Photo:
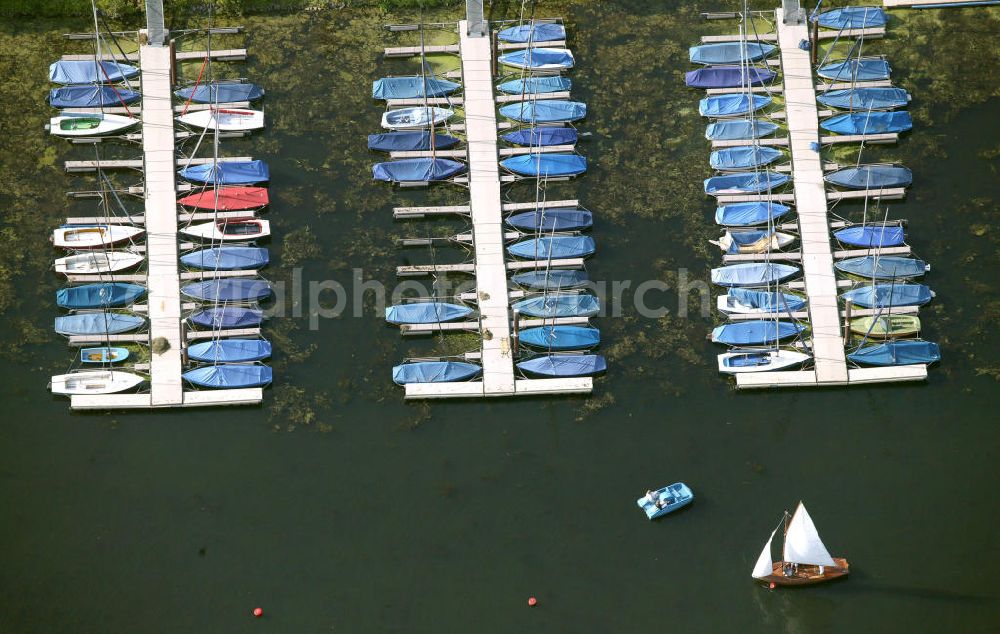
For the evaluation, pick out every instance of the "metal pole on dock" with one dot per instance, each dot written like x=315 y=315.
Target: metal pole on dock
x=848 y=306
x=515 y=336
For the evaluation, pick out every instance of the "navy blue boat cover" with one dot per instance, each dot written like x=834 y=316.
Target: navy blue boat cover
x=871 y=177
x=901 y=352
x=536 y=85
x=544 y=135
x=727 y=77
x=548 y=111
x=410 y=141
x=564 y=365
x=227 y=258
x=228 y=173
x=418 y=170
x=229 y=376
x=852 y=18
x=561 y=337
x=551 y=280
x=230 y=289
x=744 y=183
x=97 y=323
x=227 y=317
x=868 y=122
x=739 y=129
x=559 y=306
x=729 y=52
x=411 y=87
x=221 y=92
x=86 y=72
x=91 y=96
x=749 y=214
x=533 y=32
x=556 y=164
x=556 y=247
x=434 y=372
x=554 y=219
x=230 y=350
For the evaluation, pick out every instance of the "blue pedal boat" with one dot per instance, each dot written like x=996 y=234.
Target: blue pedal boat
x=666 y=500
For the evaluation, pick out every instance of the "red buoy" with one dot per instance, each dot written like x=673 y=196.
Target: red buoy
x=771 y=585
x=258 y=612
x=532 y=601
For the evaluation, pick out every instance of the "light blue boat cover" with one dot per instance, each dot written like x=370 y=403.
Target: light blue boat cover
x=230 y=350
x=227 y=258
x=536 y=85
x=555 y=164
x=868 y=122
x=554 y=219
x=756 y=332
x=533 y=32
x=743 y=157
x=552 y=279
x=425 y=313
x=749 y=214
x=871 y=236
x=103 y=323
x=554 y=247
x=900 y=352
x=729 y=52
x=86 y=72
x=547 y=111
x=752 y=274
x=434 y=372
x=411 y=87
x=561 y=337
x=221 y=92
x=886 y=267
x=559 y=306
x=727 y=77
x=228 y=173
x=885 y=295
x=852 y=18
x=771 y=301
x=229 y=289
x=417 y=170
x=749 y=183
x=99 y=295
x=871 y=177
x=229 y=376
x=865 y=69
x=564 y=365
x=227 y=317
x=731 y=105
x=545 y=135
x=91 y=96
x=536 y=57
x=409 y=141
x=738 y=130
x=865 y=98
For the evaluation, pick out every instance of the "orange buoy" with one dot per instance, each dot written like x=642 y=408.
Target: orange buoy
x=532 y=601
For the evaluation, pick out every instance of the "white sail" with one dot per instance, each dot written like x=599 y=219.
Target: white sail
x=764 y=566
x=802 y=542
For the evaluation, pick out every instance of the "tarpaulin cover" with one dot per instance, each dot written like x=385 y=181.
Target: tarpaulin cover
x=556 y=164
x=748 y=237
x=434 y=372
x=902 y=352
x=852 y=18
x=411 y=87
x=884 y=295
x=538 y=57
x=556 y=247
x=221 y=92
x=731 y=105
x=749 y=214
x=559 y=306
x=865 y=69
x=561 y=337
x=744 y=183
x=416 y=170
x=770 y=301
x=228 y=198
x=743 y=157
x=757 y=332
x=230 y=350
x=871 y=177
x=227 y=258
x=729 y=52
x=229 y=376
x=536 y=85
x=868 y=122
x=548 y=111
x=425 y=313
x=86 y=72
x=533 y=32
x=543 y=280
x=227 y=317
x=871 y=235
x=554 y=219
x=564 y=365
x=727 y=77
x=99 y=295
x=545 y=135
x=884 y=267
x=230 y=289
x=738 y=130
x=228 y=173
x=91 y=96
x=97 y=323
x=865 y=98
x=752 y=274
x=412 y=141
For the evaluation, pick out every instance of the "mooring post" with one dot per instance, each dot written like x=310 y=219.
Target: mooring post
x=516 y=333
x=814 y=45
x=848 y=304
x=173 y=62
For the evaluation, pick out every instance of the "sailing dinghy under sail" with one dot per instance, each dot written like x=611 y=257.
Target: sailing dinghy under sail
x=804 y=558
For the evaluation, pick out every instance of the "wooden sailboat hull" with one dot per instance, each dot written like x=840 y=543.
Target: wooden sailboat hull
x=806 y=575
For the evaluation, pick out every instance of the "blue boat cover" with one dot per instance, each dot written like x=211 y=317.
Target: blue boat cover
x=729 y=52
x=752 y=274
x=551 y=279
x=561 y=337
x=727 y=77
x=771 y=301
x=99 y=295
x=230 y=289
x=227 y=317
x=749 y=214
x=537 y=57
x=865 y=69
x=865 y=98
x=745 y=237
x=91 y=96
x=221 y=92
x=886 y=267
x=417 y=170
x=103 y=323
x=536 y=85
x=756 y=332
x=738 y=130
x=228 y=173
x=871 y=177
x=868 y=122
x=731 y=105
x=886 y=295
x=852 y=18
x=564 y=365
x=229 y=376
x=409 y=141
x=743 y=157
x=411 y=87
x=559 y=306
x=554 y=247
x=425 y=313
x=533 y=32
x=230 y=350
x=227 y=258
x=554 y=219
x=750 y=183
x=556 y=164
x=901 y=352
x=548 y=111
x=434 y=372
x=871 y=236
x=86 y=72
x=545 y=135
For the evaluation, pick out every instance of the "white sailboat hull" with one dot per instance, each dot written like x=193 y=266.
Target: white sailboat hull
x=95 y=382
x=232 y=231
x=63 y=125
x=746 y=361
x=92 y=237
x=731 y=306
x=777 y=241
x=415 y=118
x=225 y=119
x=98 y=262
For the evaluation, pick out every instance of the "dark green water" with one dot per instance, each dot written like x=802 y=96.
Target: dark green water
x=338 y=507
